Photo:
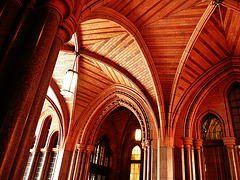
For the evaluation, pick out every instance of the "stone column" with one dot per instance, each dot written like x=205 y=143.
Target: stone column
x=86 y=166
x=45 y=164
x=9 y=19
x=188 y=143
x=198 y=146
x=35 y=154
x=78 y=164
x=73 y=162
x=230 y=144
x=27 y=77
x=25 y=144
x=144 y=161
x=148 y=146
x=83 y=164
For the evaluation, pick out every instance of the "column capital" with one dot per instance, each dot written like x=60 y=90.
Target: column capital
x=148 y=143
x=198 y=143
x=188 y=142
x=229 y=142
x=48 y=149
x=90 y=148
x=33 y=150
x=143 y=145
x=67 y=28
x=64 y=7
x=80 y=146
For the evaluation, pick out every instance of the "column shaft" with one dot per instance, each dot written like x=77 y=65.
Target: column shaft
x=9 y=14
x=84 y=165
x=45 y=164
x=148 y=146
x=85 y=175
x=73 y=164
x=28 y=75
x=188 y=142
x=25 y=144
x=78 y=164
x=198 y=143
x=144 y=163
x=230 y=144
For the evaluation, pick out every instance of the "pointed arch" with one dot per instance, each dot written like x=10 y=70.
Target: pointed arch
x=199 y=90
x=110 y=14
x=114 y=97
x=202 y=118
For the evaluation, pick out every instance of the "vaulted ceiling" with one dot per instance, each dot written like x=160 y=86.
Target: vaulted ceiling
x=160 y=48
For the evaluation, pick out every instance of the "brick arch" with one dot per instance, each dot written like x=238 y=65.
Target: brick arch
x=201 y=24
x=114 y=97
x=199 y=122
x=41 y=136
x=52 y=136
x=112 y=15
x=200 y=89
x=194 y=107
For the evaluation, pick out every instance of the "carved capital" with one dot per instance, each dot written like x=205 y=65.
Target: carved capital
x=148 y=143
x=90 y=148
x=80 y=147
x=143 y=145
x=48 y=149
x=198 y=143
x=188 y=142
x=229 y=142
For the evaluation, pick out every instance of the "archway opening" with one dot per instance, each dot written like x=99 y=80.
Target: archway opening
x=117 y=133
x=215 y=155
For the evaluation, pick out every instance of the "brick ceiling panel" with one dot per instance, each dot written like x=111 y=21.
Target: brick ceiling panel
x=115 y=75
x=167 y=38
x=97 y=30
x=92 y=81
x=123 y=51
x=167 y=28
x=215 y=43
x=65 y=61
x=232 y=31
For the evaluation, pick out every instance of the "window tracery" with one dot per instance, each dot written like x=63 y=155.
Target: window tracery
x=100 y=160
x=135 y=164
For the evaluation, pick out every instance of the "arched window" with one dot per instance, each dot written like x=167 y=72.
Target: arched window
x=53 y=151
x=211 y=128
x=43 y=154
x=100 y=160
x=215 y=156
x=135 y=163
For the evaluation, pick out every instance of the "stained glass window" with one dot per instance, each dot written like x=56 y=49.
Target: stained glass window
x=135 y=165
x=100 y=160
x=135 y=171
x=136 y=153
x=138 y=135
x=211 y=128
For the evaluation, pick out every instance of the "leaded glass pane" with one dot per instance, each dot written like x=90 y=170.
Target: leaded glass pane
x=97 y=154
x=135 y=171
x=101 y=155
x=136 y=153
x=211 y=128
